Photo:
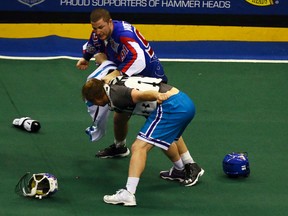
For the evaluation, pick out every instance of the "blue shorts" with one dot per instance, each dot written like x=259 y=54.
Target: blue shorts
x=168 y=121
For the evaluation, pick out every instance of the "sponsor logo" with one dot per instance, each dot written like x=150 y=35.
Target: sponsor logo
x=31 y=3
x=262 y=2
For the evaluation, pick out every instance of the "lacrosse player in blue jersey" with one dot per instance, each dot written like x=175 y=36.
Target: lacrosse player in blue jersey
x=127 y=48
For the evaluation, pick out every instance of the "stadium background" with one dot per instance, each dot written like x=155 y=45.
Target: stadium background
x=241 y=30
x=232 y=64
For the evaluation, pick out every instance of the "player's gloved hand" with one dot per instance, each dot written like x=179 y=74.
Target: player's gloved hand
x=94 y=133
x=26 y=123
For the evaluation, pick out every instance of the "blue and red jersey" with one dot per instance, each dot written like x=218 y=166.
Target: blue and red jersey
x=128 y=49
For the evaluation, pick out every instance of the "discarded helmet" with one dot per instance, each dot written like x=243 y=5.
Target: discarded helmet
x=236 y=164
x=38 y=185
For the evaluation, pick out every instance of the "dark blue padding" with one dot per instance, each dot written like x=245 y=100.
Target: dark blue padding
x=55 y=46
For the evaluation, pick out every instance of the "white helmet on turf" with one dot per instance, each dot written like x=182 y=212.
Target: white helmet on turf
x=38 y=185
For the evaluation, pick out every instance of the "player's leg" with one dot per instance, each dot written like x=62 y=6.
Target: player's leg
x=137 y=165
x=176 y=173
x=183 y=114
x=118 y=148
x=185 y=166
x=192 y=170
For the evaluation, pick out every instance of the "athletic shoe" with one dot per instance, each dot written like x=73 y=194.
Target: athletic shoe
x=173 y=175
x=113 y=151
x=192 y=172
x=122 y=196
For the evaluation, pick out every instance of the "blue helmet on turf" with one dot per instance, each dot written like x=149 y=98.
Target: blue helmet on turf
x=236 y=164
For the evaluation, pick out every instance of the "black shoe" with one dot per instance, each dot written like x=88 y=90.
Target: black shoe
x=113 y=151
x=192 y=172
x=173 y=175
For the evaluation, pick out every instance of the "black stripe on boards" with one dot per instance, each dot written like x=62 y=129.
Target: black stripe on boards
x=145 y=18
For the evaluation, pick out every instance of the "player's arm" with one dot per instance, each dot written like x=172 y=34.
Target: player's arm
x=111 y=76
x=150 y=95
x=82 y=64
x=89 y=49
x=100 y=58
x=134 y=61
x=132 y=53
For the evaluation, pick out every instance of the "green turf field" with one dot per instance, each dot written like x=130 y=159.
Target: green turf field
x=240 y=107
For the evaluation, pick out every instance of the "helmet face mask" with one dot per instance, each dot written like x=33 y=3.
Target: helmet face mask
x=236 y=164
x=37 y=185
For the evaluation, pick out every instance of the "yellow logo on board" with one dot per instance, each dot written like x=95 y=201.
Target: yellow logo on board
x=261 y=2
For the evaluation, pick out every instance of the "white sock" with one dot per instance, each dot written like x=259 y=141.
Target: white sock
x=179 y=164
x=132 y=183
x=186 y=158
x=119 y=143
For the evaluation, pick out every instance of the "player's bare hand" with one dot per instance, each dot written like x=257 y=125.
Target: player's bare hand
x=111 y=76
x=82 y=64
x=162 y=97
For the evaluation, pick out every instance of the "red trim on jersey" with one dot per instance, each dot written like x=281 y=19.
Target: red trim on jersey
x=124 y=52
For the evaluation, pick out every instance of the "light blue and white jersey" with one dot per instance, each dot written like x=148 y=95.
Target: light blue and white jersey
x=99 y=114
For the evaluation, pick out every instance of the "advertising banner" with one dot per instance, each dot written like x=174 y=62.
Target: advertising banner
x=235 y=7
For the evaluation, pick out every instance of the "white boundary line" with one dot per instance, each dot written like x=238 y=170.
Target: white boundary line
x=225 y=60
x=164 y=60
x=38 y=58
